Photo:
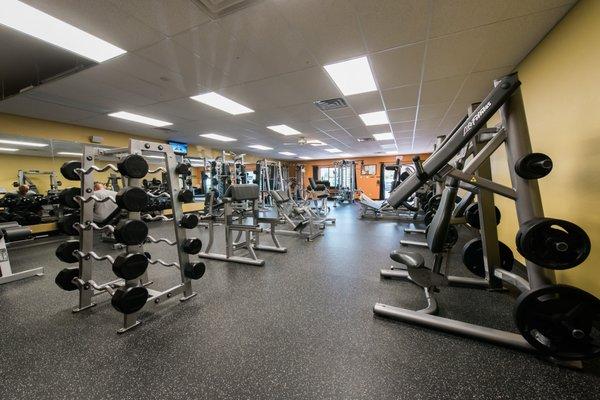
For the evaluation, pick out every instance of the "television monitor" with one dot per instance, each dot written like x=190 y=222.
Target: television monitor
x=179 y=148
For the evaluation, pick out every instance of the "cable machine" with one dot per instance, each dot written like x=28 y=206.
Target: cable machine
x=344 y=181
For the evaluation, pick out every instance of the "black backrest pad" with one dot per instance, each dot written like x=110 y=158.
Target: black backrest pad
x=312 y=183
x=436 y=234
x=280 y=196
x=246 y=191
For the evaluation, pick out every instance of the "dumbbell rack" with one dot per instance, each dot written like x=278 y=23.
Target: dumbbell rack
x=86 y=236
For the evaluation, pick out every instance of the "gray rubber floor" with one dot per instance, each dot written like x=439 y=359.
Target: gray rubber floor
x=300 y=327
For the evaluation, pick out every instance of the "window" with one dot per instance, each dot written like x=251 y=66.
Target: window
x=327 y=174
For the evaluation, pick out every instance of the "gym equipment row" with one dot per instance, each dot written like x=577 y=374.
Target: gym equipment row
x=556 y=320
x=344 y=182
x=129 y=292
x=300 y=219
x=269 y=176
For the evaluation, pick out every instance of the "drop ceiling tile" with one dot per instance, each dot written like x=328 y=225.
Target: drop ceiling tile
x=309 y=85
x=398 y=67
x=455 y=54
x=261 y=94
x=402 y=114
x=450 y=16
x=330 y=29
x=169 y=17
x=340 y=112
x=365 y=102
x=479 y=84
x=402 y=97
x=431 y=124
x=429 y=111
x=189 y=74
x=406 y=126
x=102 y=19
x=300 y=113
x=395 y=23
x=190 y=110
x=441 y=90
x=29 y=106
x=350 y=122
x=523 y=7
x=513 y=39
x=324 y=125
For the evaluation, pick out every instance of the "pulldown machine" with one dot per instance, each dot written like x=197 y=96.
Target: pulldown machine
x=560 y=321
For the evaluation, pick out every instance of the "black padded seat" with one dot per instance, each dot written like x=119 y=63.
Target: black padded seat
x=280 y=196
x=267 y=217
x=410 y=259
x=241 y=192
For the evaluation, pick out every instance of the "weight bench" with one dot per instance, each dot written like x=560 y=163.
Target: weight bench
x=10 y=232
x=298 y=218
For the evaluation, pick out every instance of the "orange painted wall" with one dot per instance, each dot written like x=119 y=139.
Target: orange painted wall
x=369 y=184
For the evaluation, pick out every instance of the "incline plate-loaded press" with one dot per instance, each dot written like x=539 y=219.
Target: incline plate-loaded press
x=130 y=291
x=560 y=321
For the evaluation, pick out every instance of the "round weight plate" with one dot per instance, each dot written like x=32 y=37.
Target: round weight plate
x=133 y=166
x=131 y=232
x=68 y=170
x=64 y=279
x=533 y=166
x=553 y=243
x=194 y=270
x=428 y=217
x=433 y=203
x=451 y=236
x=185 y=196
x=182 y=169
x=67 y=197
x=132 y=198
x=472 y=257
x=65 y=251
x=66 y=222
x=192 y=246
x=130 y=266
x=129 y=299
x=189 y=221
x=560 y=320
x=472 y=215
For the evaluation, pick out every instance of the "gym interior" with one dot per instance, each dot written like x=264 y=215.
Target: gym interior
x=350 y=199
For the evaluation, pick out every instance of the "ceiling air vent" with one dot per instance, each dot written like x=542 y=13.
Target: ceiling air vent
x=331 y=104
x=219 y=8
x=366 y=139
x=167 y=130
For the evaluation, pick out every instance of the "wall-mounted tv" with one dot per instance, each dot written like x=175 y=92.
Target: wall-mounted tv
x=179 y=148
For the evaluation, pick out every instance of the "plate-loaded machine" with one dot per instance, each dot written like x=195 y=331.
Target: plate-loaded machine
x=560 y=321
x=300 y=219
x=129 y=292
x=345 y=182
x=237 y=202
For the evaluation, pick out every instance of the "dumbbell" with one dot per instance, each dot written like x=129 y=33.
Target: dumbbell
x=185 y=196
x=126 y=300
x=131 y=232
x=132 y=198
x=189 y=221
x=472 y=215
x=66 y=222
x=133 y=166
x=183 y=169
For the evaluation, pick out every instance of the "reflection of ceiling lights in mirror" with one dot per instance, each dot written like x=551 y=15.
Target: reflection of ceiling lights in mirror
x=305 y=158
x=139 y=118
x=8 y=149
x=21 y=143
x=38 y=24
x=69 y=153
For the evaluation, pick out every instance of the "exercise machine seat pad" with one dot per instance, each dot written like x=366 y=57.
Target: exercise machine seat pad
x=244 y=191
x=410 y=259
x=369 y=202
x=438 y=229
x=267 y=217
x=280 y=196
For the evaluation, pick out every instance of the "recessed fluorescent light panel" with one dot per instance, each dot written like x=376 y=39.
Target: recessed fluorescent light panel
x=391 y=152
x=260 y=147
x=139 y=118
x=375 y=118
x=383 y=136
x=216 y=136
x=287 y=153
x=33 y=22
x=21 y=143
x=333 y=150
x=8 y=149
x=352 y=76
x=315 y=143
x=284 y=130
x=305 y=158
x=222 y=103
x=69 y=153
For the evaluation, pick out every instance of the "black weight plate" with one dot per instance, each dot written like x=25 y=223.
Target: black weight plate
x=560 y=320
x=533 y=166
x=132 y=198
x=182 y=169
x=194 y=270
x=130 y=266
x=131 y=232
x=553 y=243
x=428 y=217
x=189 y=221
x=66 y=222
x=68 y=170
x=433 y=203
x=65 y=251
x=67 y=197
x=64 y=279
x=185 y=196
x=133 y=166
x=451 y=236
x=472 y=257
x=129 y=299
x=192 y=246
x=472 y=215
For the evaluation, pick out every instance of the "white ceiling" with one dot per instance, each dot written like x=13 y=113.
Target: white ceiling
x=430 y=58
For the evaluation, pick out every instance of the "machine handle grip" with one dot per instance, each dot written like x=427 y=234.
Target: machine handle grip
x=419 y=168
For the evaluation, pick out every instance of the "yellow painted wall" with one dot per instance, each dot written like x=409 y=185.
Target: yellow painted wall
x=561 y=85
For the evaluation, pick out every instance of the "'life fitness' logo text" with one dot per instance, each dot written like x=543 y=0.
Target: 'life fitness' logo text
x=476 y=118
